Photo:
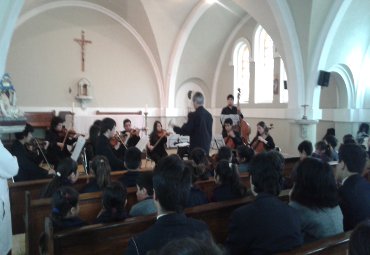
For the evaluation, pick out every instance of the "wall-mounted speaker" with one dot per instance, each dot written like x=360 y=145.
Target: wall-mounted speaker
x=285 y=84
x=323 y=79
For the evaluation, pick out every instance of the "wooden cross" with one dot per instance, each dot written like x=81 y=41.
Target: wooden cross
x=82 y=42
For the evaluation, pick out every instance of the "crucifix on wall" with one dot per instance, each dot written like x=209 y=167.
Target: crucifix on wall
x=82 y=42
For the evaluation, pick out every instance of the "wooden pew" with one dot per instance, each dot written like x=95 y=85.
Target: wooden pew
x=90 y=205
x=113 y=238
x=334 y=245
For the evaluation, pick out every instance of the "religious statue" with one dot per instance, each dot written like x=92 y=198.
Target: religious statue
x=8 y=98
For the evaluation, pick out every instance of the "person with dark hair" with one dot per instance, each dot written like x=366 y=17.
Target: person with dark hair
x=329 y=131
x=64 y=212
x=191 y=246
x=232 y=138
x=305 y=149
x=229 y=185
x=114 y=201
x=171 y=183
x=101 y=169
x=262 y=141
x=225 y=153
x=268 y=225
x=103 y=146
x=28 y=164
x=144 y=195
x=315 y=197
x=322 y=151
x=156 y=148
x=354 y=192
x=91 y=143
x=196 y=196
x=131 y=135
x=198 y=126
x=359 y=240
x=229 y=109
x=66 y=174
x=332 y=142
x=244 y=155
x=362 y=133
x=58 y=141
x=132 y=164
x=348 y=138
x=200 y=159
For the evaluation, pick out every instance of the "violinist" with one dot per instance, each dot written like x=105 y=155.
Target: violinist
x=58 y=138
x=232 y=138
x=156 y=148
x=131 y=136
x=262 y=141
x=28 y=164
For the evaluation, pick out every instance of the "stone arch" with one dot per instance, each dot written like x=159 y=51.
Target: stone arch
x=194 y=85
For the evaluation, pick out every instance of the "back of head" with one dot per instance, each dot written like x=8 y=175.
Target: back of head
x=305 y=146
x=171 y=183
x=266 y=176
x=331 y=140
x=224 y=153
x=245 y=152
x=107 y=124
x=315 y=185
x=354 y=156
x=198 y=172
x=114 y=198
x=145 y=180
x=101 y=168
x=132 y=158
x=198 y=98
x=94 y=133
x=191 y=246
x=348 y=138
x=27 y=129
x=277 y=159
x=364 y=127
x=62 y=201
x=359 y=240
x=228 y=174
x=199 y=156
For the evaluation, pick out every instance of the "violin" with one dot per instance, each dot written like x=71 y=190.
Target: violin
x=68 y=133
x=117 y=138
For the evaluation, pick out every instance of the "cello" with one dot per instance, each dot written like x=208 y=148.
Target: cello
x=244 y=127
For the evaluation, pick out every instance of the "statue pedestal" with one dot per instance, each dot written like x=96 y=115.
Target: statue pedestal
x=9 y=125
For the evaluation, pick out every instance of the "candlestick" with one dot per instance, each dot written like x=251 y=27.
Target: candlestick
x=304 y=117
x=146 y=108
x=73 y=107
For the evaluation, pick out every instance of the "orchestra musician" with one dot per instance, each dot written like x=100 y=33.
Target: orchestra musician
x=232 y=138
x=156 y=148
x=230 y=108
x=28 y=162
x=262 y=141
x=58 y=138
x=245 y=129
x=131 y=136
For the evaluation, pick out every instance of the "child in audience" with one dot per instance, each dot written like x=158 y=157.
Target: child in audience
x=315 y=197
x=65 y=209
x=244 y=155
x=228 y=182
x=305 y=149
x=196 y=196
x=101 y=170
x=114 y=201
x=144 y=195
x=359 y=240
x=66 y=174
x=199 y=156
x=322 y=151
x=132 y=163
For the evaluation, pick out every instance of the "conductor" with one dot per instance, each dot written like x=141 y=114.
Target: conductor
x=198 y=126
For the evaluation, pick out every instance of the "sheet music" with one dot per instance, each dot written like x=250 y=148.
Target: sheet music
x=234 y=117
x=141 y=145
x=217 y=142
x=78 y=148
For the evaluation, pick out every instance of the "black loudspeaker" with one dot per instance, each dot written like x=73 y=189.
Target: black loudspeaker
x=324 y=78
x=285 y=84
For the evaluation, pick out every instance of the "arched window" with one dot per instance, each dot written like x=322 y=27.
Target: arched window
x=264 y=60
x=241 y=58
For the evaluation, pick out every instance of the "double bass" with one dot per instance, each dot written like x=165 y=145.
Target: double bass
x=244 y=127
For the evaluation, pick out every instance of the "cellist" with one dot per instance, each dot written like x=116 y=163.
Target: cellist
x=262 y=141
x=232 y=138
x=156 y=148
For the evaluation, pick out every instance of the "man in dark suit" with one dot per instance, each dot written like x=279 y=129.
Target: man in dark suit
x=199 y=125
x=171 y=184
x=354 y=194
x=267 y=225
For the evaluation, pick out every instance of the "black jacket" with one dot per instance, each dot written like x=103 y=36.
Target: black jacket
x=104 y=148
x=199 y=128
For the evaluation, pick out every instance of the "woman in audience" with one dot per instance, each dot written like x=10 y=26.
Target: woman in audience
x=305 y=149
x=196 y=196
x=65 y=209
x=114 y=201
x=359 y=240
x=244 y=155
x=199 y=156
x=322 y=151
x=362 y=133
x=228 y=182
x=101 y=170
x=315 y=196
x=262 y=141
x=144 y=195
x=66 y=174
x=332 y=142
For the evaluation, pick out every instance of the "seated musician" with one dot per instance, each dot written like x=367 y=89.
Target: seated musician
x=133 y=135
x=90 y=144
x=103 y=146
x=28 y=162
x=156 y=149
x=232 y=138
x=58 y=141
x=229 y=109
x=262 y=141
x=245 y=129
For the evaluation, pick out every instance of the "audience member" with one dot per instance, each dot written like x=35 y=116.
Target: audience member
x=229 y=185
x=332 y=142
x=322 y=151
x=102 y=179
x=359 y=240
x=200 y=158
x=305 y=149
x=315 y=197
x=132 y=163
x=114 y=201
x=354 y=193
x=268 y=225
x=225 y=153
x=90 y=145
x=362 y=133
x=190 y=246
x=348 y=138
x=244 y=155
x=171 y=182
x=196 y=196
x=144 y=195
